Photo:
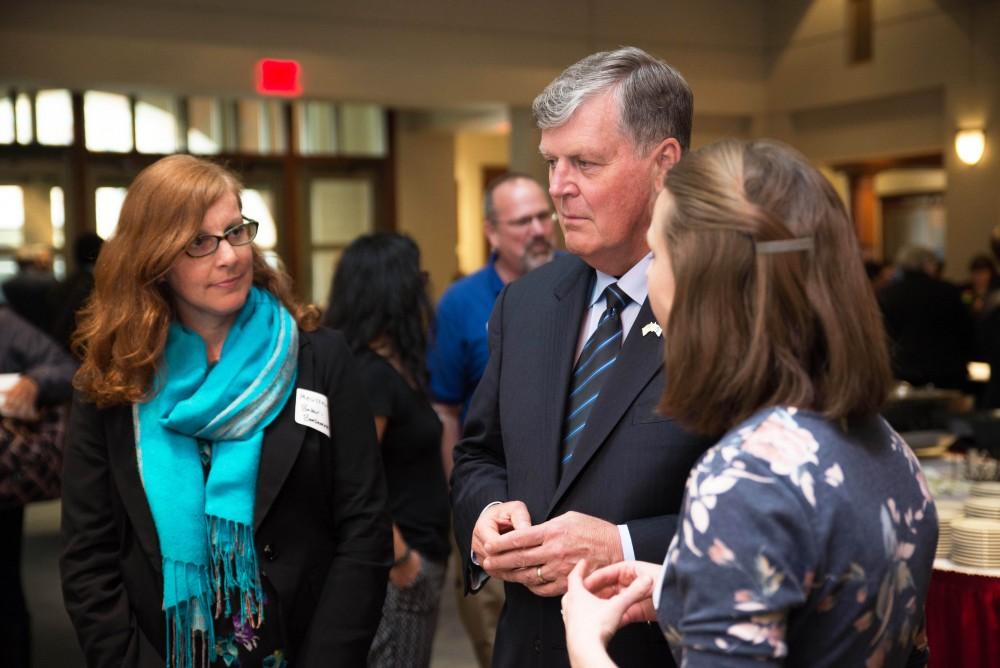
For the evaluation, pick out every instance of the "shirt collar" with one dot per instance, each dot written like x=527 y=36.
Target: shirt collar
x=496 y=283
x=632 y=282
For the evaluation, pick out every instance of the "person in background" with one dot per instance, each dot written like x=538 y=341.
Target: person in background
x=988 y=333
x=70 y=295
x=28 y=292
x=808 y=531
x=562 y=457
x=930 y=330
x=378 y=300
x=982 y=281
x=46 y=375
x=223 y=497
x=520 y=225
x=879 y=273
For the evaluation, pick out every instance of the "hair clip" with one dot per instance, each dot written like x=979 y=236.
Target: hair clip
x=784 y=246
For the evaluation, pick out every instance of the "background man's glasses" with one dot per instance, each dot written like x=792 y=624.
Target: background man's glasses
x=238 y=235
x=541 y=216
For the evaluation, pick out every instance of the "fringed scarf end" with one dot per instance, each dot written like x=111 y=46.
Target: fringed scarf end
x=234 y=570
x=190 y=631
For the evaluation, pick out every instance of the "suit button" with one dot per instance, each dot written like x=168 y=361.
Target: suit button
x=269 y=553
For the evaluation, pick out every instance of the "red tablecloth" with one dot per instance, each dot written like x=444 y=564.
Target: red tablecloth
x=963 y=620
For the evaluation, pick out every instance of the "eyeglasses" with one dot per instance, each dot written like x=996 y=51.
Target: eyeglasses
x=238 y=235
x=542 y=217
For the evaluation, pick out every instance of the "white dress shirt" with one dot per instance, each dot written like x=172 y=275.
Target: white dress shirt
x=632 y=283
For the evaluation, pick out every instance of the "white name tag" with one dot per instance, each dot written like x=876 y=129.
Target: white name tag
x=312 y=410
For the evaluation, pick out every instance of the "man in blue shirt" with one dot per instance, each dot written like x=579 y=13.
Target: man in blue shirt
x=520 y=224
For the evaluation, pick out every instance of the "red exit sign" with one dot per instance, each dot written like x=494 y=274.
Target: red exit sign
x=279 y=77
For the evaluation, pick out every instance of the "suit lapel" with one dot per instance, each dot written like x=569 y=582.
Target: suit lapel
x=640 y=358
x=125 y=470
x=282 y=440
x=571 y=294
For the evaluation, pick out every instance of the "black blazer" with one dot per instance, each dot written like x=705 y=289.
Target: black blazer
x=322 y=533
x=931 y=333
x=629 y=467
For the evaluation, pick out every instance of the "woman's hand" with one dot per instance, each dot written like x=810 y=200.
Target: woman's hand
x=20 y=400
x=403 y=575
x=612 y=580
x=595 y=608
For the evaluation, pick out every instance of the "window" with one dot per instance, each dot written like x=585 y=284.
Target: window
x=45 y=117
x=362 y=130
x=8 y=266
x=261 y=126
x=257 y=205
x=340 y=210
x=22 y=119
x=57 y=204
x=343 y=192
x=11 y=216
x=6 y=121
x=347 y=129
x=107 y=122
x=317 y=123
x=156 y=124
x=205 y=129
x=324 y=263
x=54 y=116
x=108 y=204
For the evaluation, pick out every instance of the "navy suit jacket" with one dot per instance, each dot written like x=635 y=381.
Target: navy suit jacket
x=629 y=467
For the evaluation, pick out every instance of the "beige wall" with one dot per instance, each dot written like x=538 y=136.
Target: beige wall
x=413 y=54
x=426 y=199
x=473 y=152
x=524 y=140
x=935 y=67
x=973 y=196
x=757 y=67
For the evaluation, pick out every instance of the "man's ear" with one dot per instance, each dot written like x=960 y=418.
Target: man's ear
x=666 y=154
x=490 y=230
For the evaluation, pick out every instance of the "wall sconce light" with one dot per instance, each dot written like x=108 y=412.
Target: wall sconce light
x=969 y=145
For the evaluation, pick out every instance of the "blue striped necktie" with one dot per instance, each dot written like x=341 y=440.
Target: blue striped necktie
x=592 y=368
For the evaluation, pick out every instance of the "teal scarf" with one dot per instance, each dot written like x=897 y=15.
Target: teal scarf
x=206 y=527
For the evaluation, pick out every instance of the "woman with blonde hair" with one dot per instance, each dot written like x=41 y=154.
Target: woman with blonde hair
x=807 y=532
x=223 y=494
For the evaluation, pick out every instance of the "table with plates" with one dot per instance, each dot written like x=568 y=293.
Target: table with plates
x=963 y=602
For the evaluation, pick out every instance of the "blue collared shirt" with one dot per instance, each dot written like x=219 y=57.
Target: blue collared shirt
x=460 y=349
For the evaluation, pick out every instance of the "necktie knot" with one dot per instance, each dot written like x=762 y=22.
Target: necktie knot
x=615 y=298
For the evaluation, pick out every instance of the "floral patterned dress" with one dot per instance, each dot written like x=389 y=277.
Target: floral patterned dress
x=802 y=542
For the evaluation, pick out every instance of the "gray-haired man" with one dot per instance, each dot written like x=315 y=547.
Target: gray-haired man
x=562 y=456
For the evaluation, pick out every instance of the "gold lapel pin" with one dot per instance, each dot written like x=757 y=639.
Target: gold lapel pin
x=652 y=327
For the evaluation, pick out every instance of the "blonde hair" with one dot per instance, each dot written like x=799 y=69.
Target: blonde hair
x=123 y=327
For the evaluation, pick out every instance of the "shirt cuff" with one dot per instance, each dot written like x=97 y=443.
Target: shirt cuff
x=628 y=553
x=485 y=508
x=479 y=576
x=477 y=579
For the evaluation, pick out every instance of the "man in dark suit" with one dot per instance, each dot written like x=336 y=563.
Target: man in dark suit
x=563 y=456
x=931 y=331
x=29 y=291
